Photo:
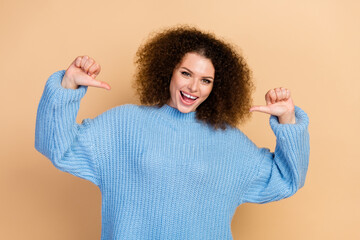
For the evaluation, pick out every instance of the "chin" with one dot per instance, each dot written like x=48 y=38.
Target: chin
x=186 y=109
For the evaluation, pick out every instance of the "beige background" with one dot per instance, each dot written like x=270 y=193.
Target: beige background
x=310 y=47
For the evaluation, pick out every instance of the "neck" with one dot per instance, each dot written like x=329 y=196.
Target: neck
x=174 y=113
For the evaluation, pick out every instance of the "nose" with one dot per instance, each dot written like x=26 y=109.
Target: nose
x=193 y=85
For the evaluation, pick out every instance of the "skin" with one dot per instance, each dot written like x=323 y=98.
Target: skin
x=193 y=76
x=278 y=103
x=84 y=70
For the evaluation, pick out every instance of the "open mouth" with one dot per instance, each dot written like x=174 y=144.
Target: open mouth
x=187 y=98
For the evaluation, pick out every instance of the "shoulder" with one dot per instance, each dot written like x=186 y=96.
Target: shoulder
x=126 y=109
x=234 y=133
x=236 y=147
x=235 y=139
x=123 y=118
x=127 y=113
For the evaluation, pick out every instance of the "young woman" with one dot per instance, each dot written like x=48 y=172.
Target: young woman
x=175 y=167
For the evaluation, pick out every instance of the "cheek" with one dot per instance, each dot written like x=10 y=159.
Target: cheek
x=173 y=88
x=175 y=84
x=207 y=92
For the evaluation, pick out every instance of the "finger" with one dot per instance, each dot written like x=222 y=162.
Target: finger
x=88 y=64
x=78 y=62
x=272 y=95
x=94 y=70
x=263 y=109
x=268 y=98
x=83 y=61
x=278 y=94
x=287 y=94
x=283 y=93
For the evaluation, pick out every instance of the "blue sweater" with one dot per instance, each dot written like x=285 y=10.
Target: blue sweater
x=162 y=173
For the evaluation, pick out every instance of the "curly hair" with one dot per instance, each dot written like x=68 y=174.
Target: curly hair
x=230 y=99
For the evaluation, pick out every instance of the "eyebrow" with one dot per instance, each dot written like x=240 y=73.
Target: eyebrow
x=192 y=72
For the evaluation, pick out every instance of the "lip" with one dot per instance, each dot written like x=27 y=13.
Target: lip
x=185 y=102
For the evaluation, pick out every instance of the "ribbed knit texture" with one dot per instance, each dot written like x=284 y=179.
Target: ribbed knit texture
x=162 y=173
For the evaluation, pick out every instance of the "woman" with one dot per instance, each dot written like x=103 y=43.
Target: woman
x=175 y=167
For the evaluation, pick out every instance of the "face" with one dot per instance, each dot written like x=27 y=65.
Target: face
x=191 y=82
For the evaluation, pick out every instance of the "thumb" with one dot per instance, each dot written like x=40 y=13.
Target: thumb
x=87 y=80
x=263 y=109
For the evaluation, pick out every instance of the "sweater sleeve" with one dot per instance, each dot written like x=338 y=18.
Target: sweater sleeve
x=57 y=135
x=280 y=174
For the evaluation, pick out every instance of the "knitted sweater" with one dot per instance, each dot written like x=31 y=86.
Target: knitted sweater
x=162 y=173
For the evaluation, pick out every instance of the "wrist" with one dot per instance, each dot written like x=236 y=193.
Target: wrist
x=288 y=118
x=67 y=83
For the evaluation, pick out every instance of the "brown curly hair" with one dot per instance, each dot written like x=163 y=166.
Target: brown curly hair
x=230 y=99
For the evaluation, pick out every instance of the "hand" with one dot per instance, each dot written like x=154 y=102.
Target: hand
x=83 y=71
x=278 y=103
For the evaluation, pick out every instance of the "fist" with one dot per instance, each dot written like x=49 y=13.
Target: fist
x=83 y=71
x=278 y=103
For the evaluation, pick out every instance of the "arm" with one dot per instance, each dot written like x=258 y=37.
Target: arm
x=57 y=135
x=282 y=173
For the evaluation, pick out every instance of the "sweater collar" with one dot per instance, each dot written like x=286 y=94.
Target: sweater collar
x=173 y=113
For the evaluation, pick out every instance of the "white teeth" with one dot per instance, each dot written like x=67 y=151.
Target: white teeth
x=188 y=96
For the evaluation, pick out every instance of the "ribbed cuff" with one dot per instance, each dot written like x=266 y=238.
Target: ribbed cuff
x=302 y=122
x=59 y=94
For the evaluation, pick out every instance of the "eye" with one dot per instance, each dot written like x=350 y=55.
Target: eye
x=206 y=81
x=186 y=74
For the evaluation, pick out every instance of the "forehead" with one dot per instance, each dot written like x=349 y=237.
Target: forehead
x=197 y=63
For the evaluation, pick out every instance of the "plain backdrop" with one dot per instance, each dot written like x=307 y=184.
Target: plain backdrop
x=310 y=47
